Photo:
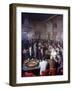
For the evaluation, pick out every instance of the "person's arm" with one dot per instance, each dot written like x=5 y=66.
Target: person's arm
x=39 y=64
x=55 y=60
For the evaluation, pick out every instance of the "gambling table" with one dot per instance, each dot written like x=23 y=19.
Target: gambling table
x=31 y=65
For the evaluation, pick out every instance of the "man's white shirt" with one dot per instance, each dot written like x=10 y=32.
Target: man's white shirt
x=53 y=54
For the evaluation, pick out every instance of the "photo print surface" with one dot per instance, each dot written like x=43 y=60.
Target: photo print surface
x=41 y=44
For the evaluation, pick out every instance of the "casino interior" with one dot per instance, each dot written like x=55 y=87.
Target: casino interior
x=42 y=44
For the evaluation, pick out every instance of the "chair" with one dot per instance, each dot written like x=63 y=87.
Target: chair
x=29 y=74
x=45 y=73
x=52 y=71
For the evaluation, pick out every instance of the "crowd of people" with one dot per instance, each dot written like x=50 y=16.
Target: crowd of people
x=48 y=52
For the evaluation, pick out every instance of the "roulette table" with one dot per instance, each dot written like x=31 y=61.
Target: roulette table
x=31 y=63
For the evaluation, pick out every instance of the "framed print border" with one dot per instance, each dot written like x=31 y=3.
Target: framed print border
x=13 y=43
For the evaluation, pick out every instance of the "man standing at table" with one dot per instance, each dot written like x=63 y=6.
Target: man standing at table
x=53 y=54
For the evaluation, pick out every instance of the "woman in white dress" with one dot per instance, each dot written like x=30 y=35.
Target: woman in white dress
x=42 y=65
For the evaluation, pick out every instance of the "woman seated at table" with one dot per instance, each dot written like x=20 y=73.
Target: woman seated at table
x=42 y=65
